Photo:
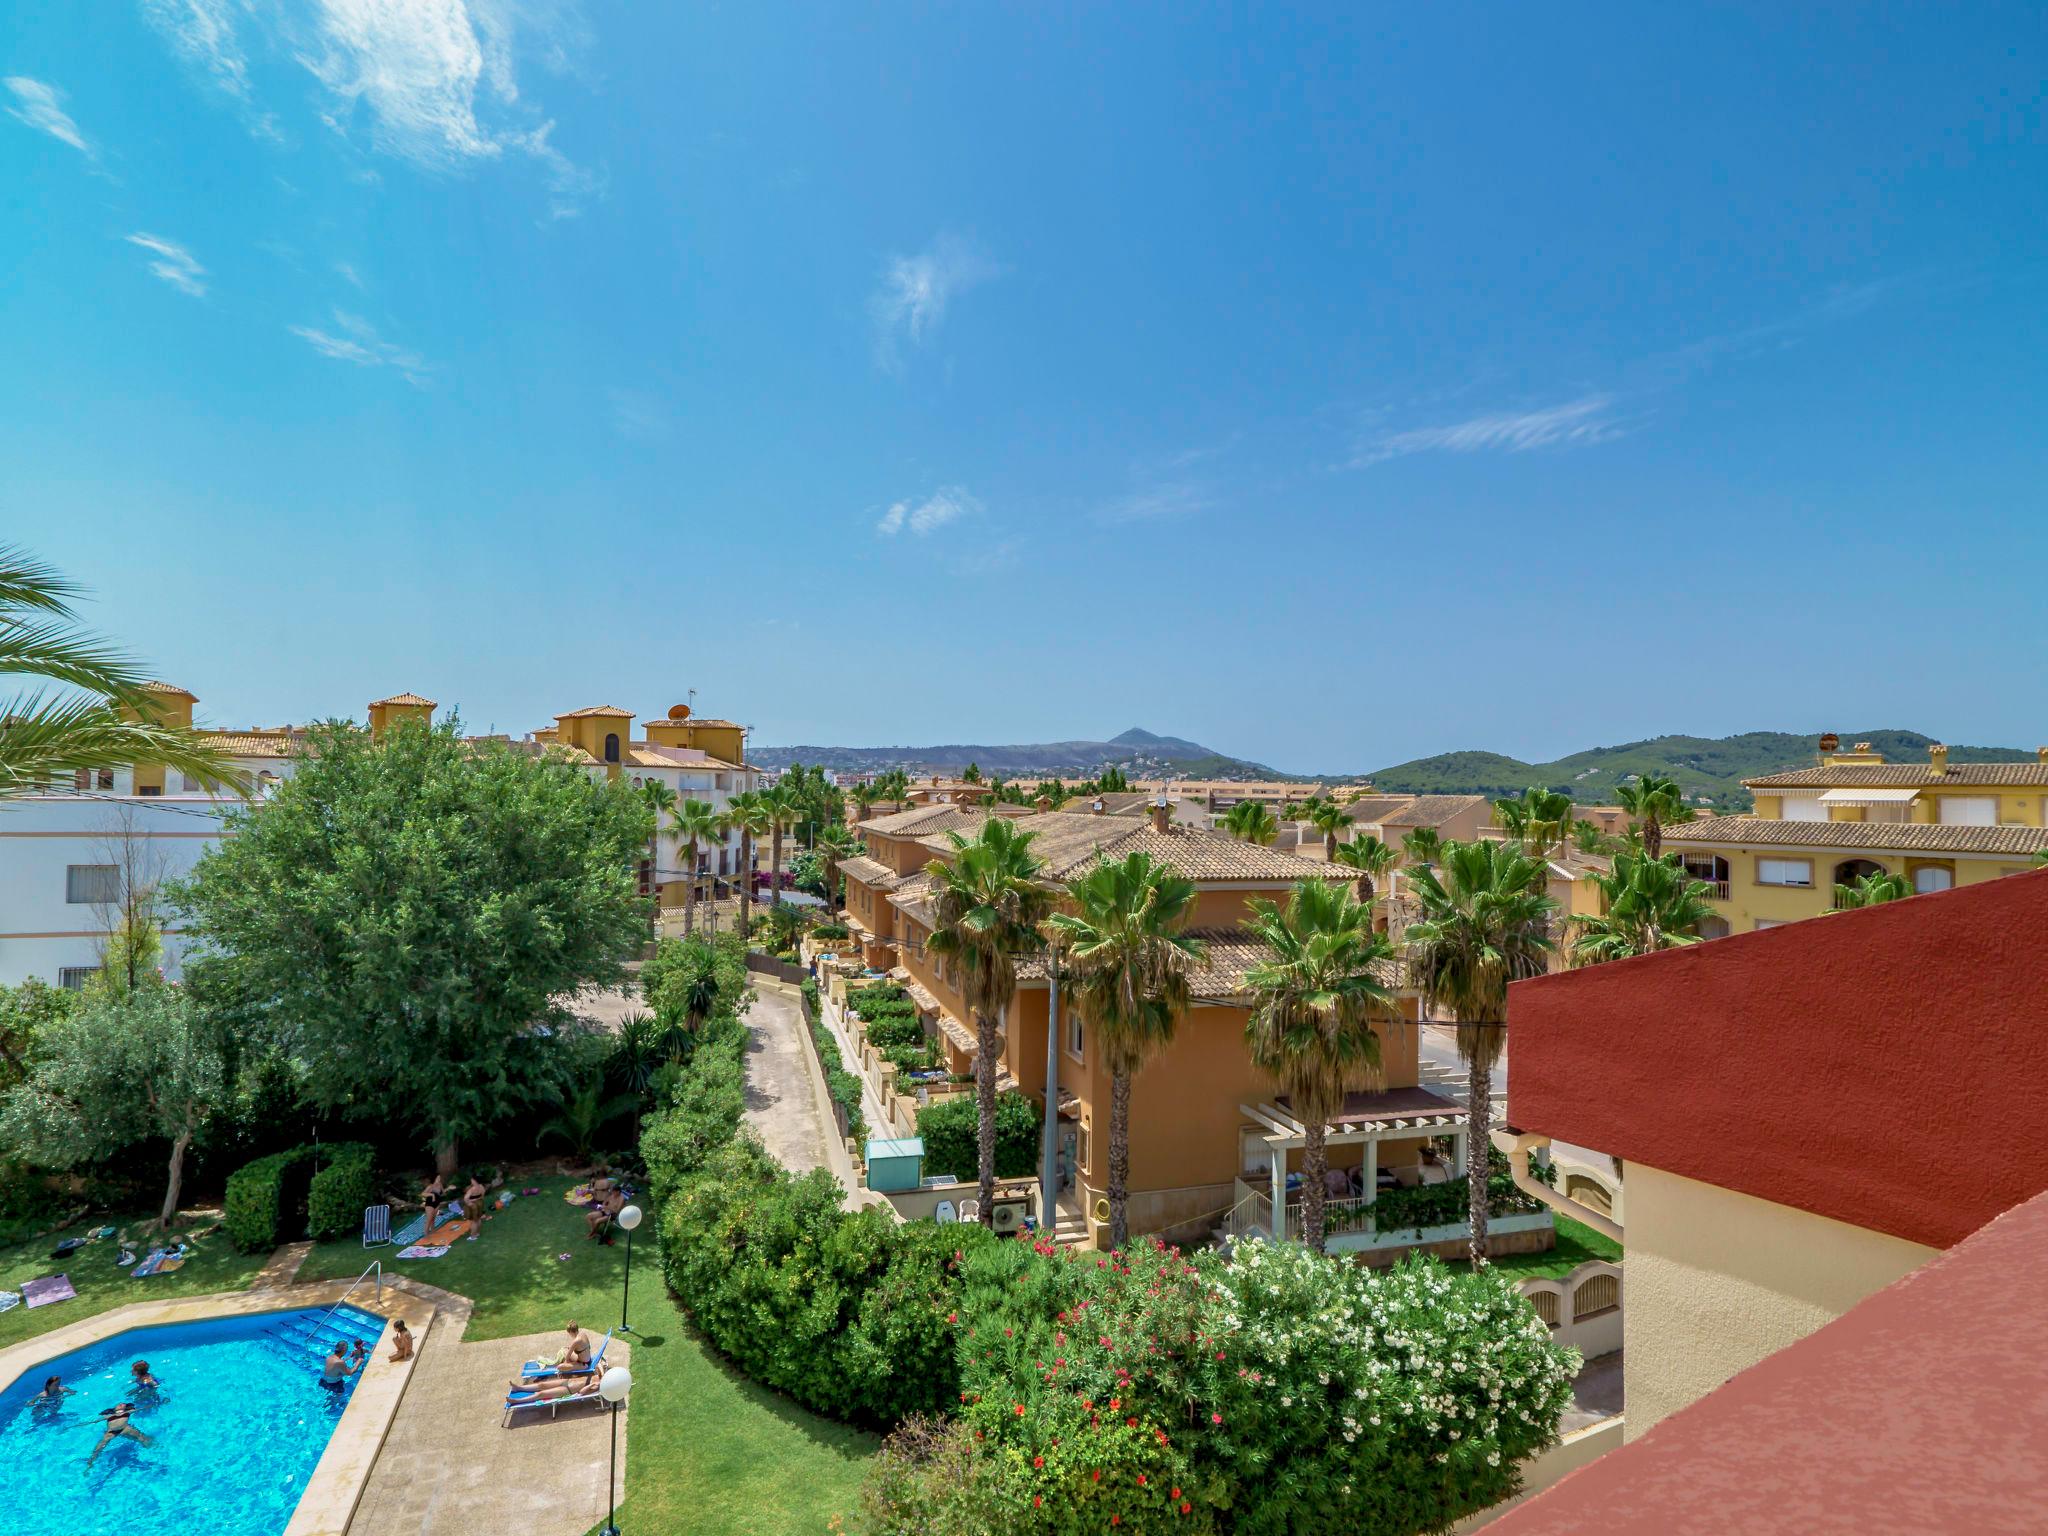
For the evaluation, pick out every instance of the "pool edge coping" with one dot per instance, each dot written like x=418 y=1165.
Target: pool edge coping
x=327 y=1504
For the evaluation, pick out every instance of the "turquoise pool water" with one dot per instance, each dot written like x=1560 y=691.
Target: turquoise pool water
x=238 y=1428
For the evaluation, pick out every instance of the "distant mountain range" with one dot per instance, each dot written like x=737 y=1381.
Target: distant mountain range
x=1140 y=754
x=1709 y=770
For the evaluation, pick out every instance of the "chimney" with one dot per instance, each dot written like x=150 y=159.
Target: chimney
x=1937 y=754
x=1095 y=806
x=2041 y=754
x=1162 y=813
x=1044 y=802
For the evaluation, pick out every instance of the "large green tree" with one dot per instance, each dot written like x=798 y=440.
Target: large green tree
x=1311 y=1024
x=1650 y=904
x=987 y=904
x=1485 y=923
x=87 y=705
x=1129 y=962
x=121 y=1068
x=413 y=914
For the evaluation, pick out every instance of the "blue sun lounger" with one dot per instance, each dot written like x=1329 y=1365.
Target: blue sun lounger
x=519 y=1398
x=542 y=1368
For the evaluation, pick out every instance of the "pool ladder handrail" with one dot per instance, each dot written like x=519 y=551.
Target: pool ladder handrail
x=375 y=1264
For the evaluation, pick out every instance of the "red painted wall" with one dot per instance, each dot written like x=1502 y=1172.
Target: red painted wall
x=1887 y=1067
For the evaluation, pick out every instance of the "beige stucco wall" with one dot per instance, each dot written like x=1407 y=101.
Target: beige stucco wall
x=1717 y=1280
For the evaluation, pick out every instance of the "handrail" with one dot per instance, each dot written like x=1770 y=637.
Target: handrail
x=378 y=1266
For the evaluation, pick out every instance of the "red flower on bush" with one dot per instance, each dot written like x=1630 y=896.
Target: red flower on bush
x=1215 y=1418
x=1038 y=1461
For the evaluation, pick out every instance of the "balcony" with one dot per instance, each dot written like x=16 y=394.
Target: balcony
x=1717 y=890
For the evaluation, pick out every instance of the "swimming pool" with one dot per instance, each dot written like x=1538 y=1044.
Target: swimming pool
x=238 y=1428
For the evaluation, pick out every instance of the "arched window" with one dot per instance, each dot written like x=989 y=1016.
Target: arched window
x=611 y=748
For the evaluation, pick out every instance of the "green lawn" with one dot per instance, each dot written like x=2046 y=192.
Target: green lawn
x=101 y=1283
x=710 y=1452
x=1576 y=1243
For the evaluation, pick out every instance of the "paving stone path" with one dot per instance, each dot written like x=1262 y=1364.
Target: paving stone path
x=782 y=1099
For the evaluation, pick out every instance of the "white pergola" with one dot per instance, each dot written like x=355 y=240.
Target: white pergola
x=1282 y=1130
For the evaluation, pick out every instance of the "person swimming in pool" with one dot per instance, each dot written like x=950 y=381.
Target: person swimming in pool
x=339 y=1366
x=144 y=1385
x=53 y=1394
x=118 y=1428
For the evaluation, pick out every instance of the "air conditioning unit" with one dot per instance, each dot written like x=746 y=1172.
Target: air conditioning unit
x=1007 y=1216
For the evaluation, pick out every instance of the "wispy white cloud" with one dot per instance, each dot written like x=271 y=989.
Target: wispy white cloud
x=432 y=72
x=348 y=274
x=1159 y=502
x=999 y=556
x=916 y=290
x=1588 y=419
x=947 y=504
x=173 y=263
x=42 y=108
x=359 y=343
x=203 y=34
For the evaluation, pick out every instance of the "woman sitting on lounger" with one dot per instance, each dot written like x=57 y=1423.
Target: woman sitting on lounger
x=603 y=1213
x=575 y=1356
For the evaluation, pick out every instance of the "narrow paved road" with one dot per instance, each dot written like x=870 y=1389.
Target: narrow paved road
x=782 y=1106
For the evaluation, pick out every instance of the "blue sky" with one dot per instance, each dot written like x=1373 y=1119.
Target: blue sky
x=1331 y=390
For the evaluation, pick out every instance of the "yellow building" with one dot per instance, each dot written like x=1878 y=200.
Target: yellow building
x=1937 y=824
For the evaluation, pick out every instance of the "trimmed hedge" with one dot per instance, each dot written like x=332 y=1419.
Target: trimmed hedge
x=951 y=1126
x=892 y=1030
x=342 y=1191
x=265 y=1197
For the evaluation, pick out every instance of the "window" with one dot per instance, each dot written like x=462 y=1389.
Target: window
x=192 y=784
x=1932 y=877
x=92 y=884
x=1784 y=872
x=72 y=977
x=1769 y=922
x=611 y=747
x=90 y=778
x=1969 y=810
x=149 y=789
x=1077 y=1038
x=1804 y=808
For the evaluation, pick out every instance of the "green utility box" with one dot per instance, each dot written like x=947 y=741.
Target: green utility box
x=895 y=1166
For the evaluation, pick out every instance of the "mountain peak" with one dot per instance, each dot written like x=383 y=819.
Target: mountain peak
x=1136 y=737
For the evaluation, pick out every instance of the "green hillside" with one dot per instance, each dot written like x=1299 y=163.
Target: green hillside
x=1709 y=770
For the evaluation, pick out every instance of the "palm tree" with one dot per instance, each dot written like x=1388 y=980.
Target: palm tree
x=1871 y=890
x=662 y=801
x=864 y=796
x=47 y=736
x=696 y=821
x=1328 y=818
x=784 y=811
x=1423 y=846
x=1312 y=1024
x=748 y=814
x=1485 y=923
x=987 y=904
x=1651 y=904
x=1130 y=964
x=1541 y=819
x=584 y=1115
x=1654 y=801
x=1251 y=821
x=834 y=844
x=1371 y=858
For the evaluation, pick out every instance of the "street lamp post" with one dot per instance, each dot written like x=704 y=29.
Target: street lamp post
x=629 y=1218
x=613 y=1387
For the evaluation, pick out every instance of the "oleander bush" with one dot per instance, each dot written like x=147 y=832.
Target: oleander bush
x=950 y=1128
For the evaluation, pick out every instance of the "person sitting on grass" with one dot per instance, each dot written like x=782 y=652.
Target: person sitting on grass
x=573 y=1357
x=118 y=1427
x=401 y=1341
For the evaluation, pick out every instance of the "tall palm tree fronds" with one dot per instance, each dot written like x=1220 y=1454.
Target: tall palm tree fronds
x=1371 y=858
x=1542 y=818
x=696 y=821
x=1870 y=890
x=1423 y=846
x=1655 y=802
x=1651 y=904
x=1252 y=822
x=987 y=906
x=748 y=814
x=1312 y=1024
x=1484 y=924
x=785 y=809
x=1328 y=818
x=48 y=734
x=1130 y=960
x=835 y=845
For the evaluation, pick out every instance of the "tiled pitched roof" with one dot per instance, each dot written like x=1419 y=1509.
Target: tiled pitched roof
x=1375 y=808
x=1068 y=842
x=1233 y=954
x=1432 y=810
x=254 y=743
x=406 y=698
x=1901 y=775
x=171 y=690
x=1902 y=836
x=923 y=820
x=597 y=709
x=872 y=873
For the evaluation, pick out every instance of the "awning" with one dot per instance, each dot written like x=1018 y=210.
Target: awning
x=1867 y=796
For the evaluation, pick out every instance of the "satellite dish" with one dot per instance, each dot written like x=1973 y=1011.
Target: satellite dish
x=945 y=1213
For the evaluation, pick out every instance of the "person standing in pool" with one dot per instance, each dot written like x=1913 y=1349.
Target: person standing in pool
x=338 y=1368
x=118 y=1427
x=53 y=1394
x=145 y=1386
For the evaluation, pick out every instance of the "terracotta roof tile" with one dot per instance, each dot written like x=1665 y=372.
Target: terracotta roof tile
x=1869 y=775
x=405 y=698
x=596 y=709
x=285 y=743
x=872 y=873
x=1903 y=836
x=1431 y=810
x=171 y=690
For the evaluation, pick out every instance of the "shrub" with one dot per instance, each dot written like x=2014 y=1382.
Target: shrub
x=1438 y=1205
x=1278 y=1394
x=841 y=1084
x=950 y=1128
x=831 y=931
x=921 y=1057
x=266 y=1198
x=894 y=1029
x=874 y=993
x=339 y=1193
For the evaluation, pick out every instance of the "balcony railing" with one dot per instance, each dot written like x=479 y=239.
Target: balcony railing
x=1716 y=889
